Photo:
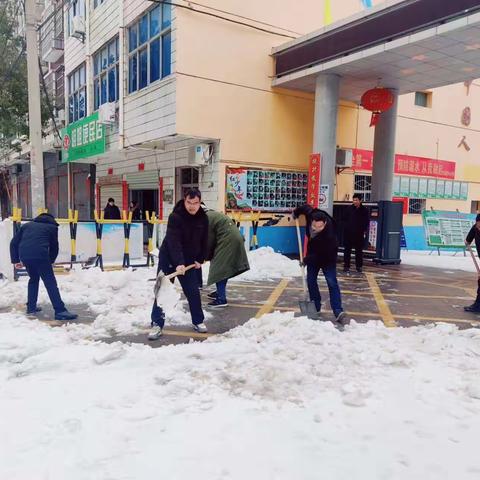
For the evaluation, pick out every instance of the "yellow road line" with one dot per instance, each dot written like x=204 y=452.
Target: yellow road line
x=182 y=333
x=272 y=299
x=382 y=305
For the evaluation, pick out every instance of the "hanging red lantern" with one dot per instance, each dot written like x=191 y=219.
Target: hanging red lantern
x=377 y=100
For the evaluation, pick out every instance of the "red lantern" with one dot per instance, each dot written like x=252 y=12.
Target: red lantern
x=377 y=100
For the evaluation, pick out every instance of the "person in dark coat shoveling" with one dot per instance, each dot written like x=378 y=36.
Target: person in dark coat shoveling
x=474 y=234
x=185 y=243
x=35 y=246
x=227 y=255
x=322 y=249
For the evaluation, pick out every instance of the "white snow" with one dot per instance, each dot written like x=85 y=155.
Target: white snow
x=280 y=398
x=447 y=260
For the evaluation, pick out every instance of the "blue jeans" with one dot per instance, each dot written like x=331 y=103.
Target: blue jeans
x=222 y=291
x=330 y=274
x=189 y=283
x=42 y=269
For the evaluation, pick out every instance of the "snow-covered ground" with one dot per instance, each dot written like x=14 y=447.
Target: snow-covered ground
x=121 y=301
x=279 y=398
x=447 y=260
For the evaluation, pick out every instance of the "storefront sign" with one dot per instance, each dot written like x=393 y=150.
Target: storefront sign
x=446 y=229
x=266 y=190
x=314 y=170
x=83 y=139
x=407 y=165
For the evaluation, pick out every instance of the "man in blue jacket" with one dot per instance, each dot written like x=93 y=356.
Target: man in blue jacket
x=35 y=246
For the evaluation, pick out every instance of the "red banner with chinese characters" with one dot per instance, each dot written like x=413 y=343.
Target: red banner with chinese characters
x=407 y=165
x=424 y=167
x=314 y=169
x=362 y=159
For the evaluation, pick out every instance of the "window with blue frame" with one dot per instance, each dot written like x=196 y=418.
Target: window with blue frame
x=77 y=94
x=106 y=74
x=150 y=48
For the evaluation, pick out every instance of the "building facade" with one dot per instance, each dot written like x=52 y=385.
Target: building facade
x=184 y=94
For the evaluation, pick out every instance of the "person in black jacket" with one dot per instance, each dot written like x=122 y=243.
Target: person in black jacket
x=185 y=243
x=111 y=211
x=35 y=246
x=474 y=234
x=136 y=212
x=356 y=229
x=321 y=254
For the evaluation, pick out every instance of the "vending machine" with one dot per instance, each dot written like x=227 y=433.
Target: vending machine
x=383 y=244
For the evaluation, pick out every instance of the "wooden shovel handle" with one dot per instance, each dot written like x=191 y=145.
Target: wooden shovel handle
x=176 y=274
x=469 y=248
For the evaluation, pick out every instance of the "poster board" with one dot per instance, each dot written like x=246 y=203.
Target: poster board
x=266 y=190
x=446 y=229
x=417 y=187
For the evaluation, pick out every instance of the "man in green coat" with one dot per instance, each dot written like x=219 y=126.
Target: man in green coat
x=227 y=255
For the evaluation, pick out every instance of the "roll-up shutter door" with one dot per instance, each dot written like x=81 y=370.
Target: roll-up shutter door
x=143 y=180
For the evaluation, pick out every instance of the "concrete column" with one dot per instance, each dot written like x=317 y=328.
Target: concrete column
x=384 y=153
x=325 y=129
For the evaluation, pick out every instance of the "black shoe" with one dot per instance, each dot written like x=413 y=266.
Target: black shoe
x=212 y=295
x=474 y=307
x=217 y=304
x=342 y=318
x=65 y=315
x=34 y=311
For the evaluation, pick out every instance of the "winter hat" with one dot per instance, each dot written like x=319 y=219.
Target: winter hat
x=477 y=219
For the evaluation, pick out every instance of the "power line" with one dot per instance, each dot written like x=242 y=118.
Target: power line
x=244 y=18
x=165 y=2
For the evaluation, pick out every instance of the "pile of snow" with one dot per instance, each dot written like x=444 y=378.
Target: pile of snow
x=120 y=301
x=446 y=260
x=291 y=398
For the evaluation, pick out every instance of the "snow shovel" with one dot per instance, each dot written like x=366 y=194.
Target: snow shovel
x=469 y=248
x=307 y=307
x=162 y=278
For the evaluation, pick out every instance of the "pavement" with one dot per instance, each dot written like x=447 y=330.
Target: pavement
x=397 y=295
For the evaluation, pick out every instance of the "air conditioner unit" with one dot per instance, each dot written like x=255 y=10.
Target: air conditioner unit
x=78 y=27
x=201 y=154
x=344 y=158
x=107 y=113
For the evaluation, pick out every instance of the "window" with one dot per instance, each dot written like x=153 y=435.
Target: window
x=423 y=99
x=105 y=74
x=363 y=185
x=77 y=94
x=96 y=3
x=416 y=206
x=188 y=179
x=150 y=48
x=76 y=8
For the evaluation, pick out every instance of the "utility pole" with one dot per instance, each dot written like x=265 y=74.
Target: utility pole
x=34 y=109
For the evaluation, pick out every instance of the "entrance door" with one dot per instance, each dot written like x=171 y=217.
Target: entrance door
x=147 y=200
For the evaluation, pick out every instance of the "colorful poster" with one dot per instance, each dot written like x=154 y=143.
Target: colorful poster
x=464 y=191
x=396 y=186
x=440 y=193
x=404 y=186
x=446 y=229
x=422 y=188
x=431 y=188
x=448 y=190
x=456 y=190
x=414 y=188
x=266 y=190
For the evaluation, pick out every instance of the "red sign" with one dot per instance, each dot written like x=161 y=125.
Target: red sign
x=66 y=142
x=314 y=169
x=424 y=167
x=407 y=165
x=403 y=200
x=362 y=159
